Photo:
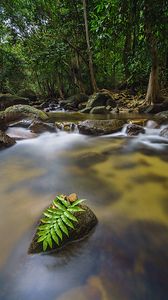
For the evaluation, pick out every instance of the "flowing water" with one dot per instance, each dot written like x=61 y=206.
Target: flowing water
x=126 y=183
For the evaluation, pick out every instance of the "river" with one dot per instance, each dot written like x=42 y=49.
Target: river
x=125 y=182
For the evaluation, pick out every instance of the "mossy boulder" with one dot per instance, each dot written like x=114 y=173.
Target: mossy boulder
x=100 y=127
x=7 y=100
x=19 y=112
x=86 y=222
x=5 y=140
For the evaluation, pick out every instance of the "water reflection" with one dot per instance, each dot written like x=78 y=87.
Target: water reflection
x=125 y=258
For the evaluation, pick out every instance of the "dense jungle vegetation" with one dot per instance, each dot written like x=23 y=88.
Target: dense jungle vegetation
x=59 y=48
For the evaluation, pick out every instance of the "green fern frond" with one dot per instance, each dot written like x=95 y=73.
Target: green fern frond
x=57 y=221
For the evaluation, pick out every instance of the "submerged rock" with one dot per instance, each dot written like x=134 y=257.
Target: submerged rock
x=100 y=127
x=40 y=127
x=5 y=140
x=133 y=129
x=86 y=222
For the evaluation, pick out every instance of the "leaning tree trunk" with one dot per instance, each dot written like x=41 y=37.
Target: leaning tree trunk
x=92 y=77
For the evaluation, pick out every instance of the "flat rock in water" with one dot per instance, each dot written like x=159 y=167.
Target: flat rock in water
x=86 y=222
x=100 y=127
x=40 y=127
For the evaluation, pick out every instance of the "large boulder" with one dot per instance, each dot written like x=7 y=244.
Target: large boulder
x=100 y=127
x=134 y=129
x=7 y=100
x=5 y=140
x=28 y=93
x=19 y=112
x=99 y=110
x=85 y=110
x=155 y=108
x=86 y=222
x=40 y=127
x=101 y=99
x=162 y=117
x=73 y=101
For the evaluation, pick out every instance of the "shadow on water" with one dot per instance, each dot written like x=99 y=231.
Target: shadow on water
x=125 y=258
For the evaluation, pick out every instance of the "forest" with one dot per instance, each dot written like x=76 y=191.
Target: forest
x=61 y=48
x=84 y=149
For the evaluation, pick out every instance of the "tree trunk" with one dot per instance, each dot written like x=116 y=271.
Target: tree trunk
x=92 y=77
x=153 y=94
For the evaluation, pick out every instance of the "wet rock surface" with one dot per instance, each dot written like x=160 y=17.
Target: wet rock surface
x=66 y=126
x=164 y=132
x=86 y=222
x=5 y=140
x=133 y=130
x=100 y=127
x=40 y=127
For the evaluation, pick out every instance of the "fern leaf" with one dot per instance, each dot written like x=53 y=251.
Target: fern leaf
x=49 y=240
x=61 y=207
x=58 y=231
x=44 y=227
x=70 y=216
x=57 y=221
x=66 y=221
x=63 y=227
x=77 y=202
x=45 y=213
x=45 y=244
x=54 y=236
x=75 y=209
x=42 y=238
x=65 y=202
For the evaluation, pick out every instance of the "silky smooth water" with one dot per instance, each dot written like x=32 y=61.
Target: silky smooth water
x=126 y=183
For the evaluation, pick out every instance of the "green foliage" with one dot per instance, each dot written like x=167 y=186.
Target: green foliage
x=46 y=41
x=58 y=218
